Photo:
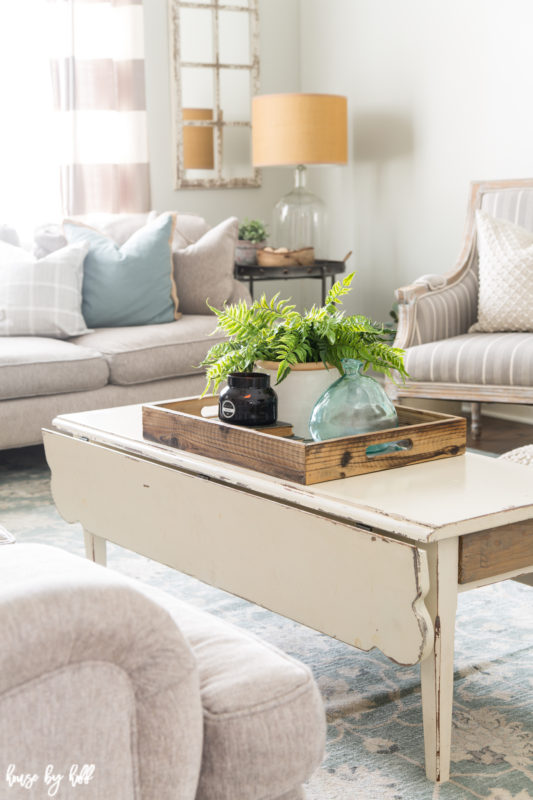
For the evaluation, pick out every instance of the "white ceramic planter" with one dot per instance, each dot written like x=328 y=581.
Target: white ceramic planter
x=300 y=390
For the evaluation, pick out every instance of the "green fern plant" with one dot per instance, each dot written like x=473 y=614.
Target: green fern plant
x=274 y=331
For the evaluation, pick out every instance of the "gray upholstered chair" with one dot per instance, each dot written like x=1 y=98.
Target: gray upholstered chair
x=166 y=701
x=444 y=361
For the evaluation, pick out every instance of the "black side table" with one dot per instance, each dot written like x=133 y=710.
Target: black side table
x=320 y=271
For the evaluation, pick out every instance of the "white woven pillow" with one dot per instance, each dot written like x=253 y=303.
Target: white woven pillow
x=41 y=298
x=521 y=455
x=505 y=276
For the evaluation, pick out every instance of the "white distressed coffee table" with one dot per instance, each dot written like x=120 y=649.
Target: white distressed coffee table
x=375 y=560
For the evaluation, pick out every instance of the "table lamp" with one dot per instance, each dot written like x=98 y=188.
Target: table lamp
x=299 y=129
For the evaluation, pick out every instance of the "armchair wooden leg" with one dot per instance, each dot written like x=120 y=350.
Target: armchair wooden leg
x=475 y=409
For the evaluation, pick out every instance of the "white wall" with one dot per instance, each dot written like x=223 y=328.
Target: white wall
x=279 y=25
x=439 y=94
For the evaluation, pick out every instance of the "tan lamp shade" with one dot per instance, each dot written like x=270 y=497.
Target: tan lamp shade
x=299 y=129
x=198 y=151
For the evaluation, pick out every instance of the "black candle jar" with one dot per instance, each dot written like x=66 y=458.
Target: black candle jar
x=248 y=399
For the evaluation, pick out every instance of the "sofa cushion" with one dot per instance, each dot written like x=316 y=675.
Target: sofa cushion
x=189 y=228
x=128 y=285
x=41 y=298
x=204 y=269
x=264 y=720
x=119 y=227
x=153 y=352
x=33 y=366
x=493 y=359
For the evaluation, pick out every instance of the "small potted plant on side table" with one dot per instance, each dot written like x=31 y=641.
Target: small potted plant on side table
x=302 y=352
x=252 y=237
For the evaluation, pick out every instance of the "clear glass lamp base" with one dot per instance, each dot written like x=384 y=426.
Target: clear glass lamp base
x=299 y=219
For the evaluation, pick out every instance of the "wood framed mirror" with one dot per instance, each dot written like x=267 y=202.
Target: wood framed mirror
x=214 y=47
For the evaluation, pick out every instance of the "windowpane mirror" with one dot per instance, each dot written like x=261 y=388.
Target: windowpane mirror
x=215 y=70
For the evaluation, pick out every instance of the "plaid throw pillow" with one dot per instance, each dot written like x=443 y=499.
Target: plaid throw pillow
x=41 y=298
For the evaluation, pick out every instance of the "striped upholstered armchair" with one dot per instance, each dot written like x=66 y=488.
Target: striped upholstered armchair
x=444 y=361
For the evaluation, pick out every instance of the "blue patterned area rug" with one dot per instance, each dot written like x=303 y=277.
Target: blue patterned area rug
x=375 y=742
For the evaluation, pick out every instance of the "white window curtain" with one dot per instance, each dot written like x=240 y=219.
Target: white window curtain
x=98 y=87
x=29 y=156
x=73 y=138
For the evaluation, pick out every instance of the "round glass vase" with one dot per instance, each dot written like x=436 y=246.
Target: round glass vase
x=354 y=404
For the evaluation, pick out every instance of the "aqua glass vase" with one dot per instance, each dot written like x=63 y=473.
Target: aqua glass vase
x=353 y=404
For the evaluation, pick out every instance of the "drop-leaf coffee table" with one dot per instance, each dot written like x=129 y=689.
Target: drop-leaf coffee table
x=375 y=560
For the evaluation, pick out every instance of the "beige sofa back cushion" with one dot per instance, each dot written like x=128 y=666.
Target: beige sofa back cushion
x=204 y=270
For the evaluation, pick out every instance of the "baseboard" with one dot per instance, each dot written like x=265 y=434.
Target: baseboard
x=511 y=413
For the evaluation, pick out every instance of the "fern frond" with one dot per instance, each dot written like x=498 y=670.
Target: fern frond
x=338 y=290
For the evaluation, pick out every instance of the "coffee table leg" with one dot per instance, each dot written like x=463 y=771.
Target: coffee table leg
x=436 y=671
x=95 y=548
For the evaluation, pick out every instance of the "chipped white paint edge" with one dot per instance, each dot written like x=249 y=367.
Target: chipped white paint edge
x=359 y=587
x=436 y=671
x=309 y=497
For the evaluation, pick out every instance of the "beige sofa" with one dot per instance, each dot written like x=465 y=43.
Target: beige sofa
x=155 y=699
x=42 y=377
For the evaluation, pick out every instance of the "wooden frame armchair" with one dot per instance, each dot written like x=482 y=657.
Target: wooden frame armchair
x=435 y=313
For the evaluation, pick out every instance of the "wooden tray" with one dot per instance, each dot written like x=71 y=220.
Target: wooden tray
x=179 y=424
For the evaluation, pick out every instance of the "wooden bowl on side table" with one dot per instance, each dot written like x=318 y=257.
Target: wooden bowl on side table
x=268 y=257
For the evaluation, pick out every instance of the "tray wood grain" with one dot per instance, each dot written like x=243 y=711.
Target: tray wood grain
x=178 y=423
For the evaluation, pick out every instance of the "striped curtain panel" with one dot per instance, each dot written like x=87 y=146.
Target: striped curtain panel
x=99 y=97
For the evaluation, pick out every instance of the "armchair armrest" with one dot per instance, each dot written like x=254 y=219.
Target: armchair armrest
x=438 y=307
x=57 y=612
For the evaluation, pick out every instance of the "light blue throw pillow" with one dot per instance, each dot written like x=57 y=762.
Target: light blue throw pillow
x=128 y=285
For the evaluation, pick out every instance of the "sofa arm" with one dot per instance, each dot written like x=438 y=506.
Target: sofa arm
x=57 y=612
x=435 y=308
